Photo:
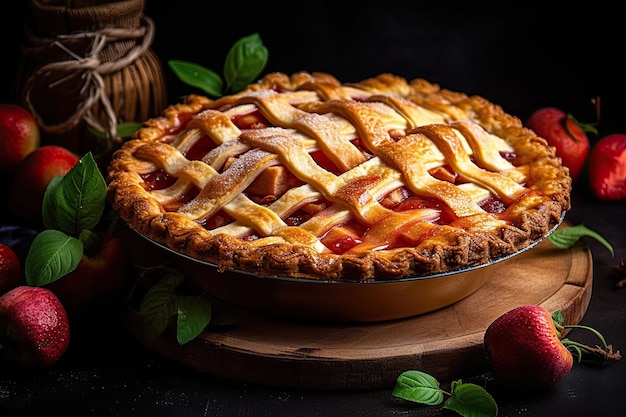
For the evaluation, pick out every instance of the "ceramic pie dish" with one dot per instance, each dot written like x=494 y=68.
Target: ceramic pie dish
x=328 y=301
x=304 y=181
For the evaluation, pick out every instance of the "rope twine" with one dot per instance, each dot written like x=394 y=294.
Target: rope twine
x=92 y=70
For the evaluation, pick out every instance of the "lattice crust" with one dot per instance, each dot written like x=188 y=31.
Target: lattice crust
x=302 y=176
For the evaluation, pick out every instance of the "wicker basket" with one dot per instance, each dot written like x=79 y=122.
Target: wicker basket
x=87 y=67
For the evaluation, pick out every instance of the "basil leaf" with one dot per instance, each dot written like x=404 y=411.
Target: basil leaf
x=418 y=387
x=48 y=208
x=244 y=62
x=567 y=237
x=471 y=400
x=91 y=241
x=123 y=130
x=52 y=255
x=197 y=76
x=126 y=130
x=194 y=313
x=80 y=197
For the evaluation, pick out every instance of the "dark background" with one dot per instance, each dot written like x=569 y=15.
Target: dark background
x=521 y=58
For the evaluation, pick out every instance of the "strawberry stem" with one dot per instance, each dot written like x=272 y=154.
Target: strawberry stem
x=604 y=352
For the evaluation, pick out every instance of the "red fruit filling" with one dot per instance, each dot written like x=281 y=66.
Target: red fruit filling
x=342 y=238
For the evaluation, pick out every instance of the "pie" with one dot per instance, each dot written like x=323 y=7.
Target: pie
x=303 y=176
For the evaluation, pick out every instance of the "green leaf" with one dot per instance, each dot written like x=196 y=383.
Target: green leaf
x=418 y=387
x=48 y=208
x=194 y=313
x=126 y=130
x=91 y=241
x=197 y=76
x=80 y=197
x=471 y=400
x=51 y=255
x=158 y=306
x=567 y=237
x=123 y=130
x=557 y=317
x=244 y=62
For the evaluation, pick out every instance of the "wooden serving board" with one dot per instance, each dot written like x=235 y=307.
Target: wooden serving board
x=447 y=343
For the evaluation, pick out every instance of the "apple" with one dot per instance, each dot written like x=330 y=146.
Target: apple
x=34 y=327
x=32 y=177
x=19 y=135
x=11 y=274
x=98 y=279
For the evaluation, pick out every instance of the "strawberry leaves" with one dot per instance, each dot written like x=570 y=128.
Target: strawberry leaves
x=468 y=400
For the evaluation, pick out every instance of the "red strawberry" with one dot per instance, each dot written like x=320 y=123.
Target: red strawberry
x=34 y=327
x=525 y=349
x=607 y=168
x=566 y=134
x=11 y=275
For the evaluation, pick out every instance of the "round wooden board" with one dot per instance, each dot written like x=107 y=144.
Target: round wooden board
x=447 y=343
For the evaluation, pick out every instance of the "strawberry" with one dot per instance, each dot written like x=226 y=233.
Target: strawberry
x=607 y=168
x=525 y=349
x=11 y=275
x=566 y=134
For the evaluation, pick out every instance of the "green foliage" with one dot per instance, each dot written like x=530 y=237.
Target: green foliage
x=166 y=299
x=468 y=400
x=568 y=236
x=52 y=255
x=197 y=76
x=73 y=205
x=245 y=61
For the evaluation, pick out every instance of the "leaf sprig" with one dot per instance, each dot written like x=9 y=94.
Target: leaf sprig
x=72 y=208
x=567 y=237
x=466 y=399
x=168 y=297
x=244 y=62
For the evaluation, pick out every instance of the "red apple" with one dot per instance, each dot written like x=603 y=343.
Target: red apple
x=11 y=274
x=32 y=177
x=34 y=327
x=98 y=280
x=19 y=135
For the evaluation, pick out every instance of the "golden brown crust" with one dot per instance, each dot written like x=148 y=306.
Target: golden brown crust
x=392 y=118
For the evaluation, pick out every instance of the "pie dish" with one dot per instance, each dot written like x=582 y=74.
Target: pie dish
x=305 y=177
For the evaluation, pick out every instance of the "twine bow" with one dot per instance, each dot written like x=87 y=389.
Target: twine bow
x=91 y=70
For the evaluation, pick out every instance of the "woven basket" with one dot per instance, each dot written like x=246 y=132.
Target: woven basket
x=87 y=67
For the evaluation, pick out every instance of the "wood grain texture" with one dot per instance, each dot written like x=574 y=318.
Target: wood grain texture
x=447 y=343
